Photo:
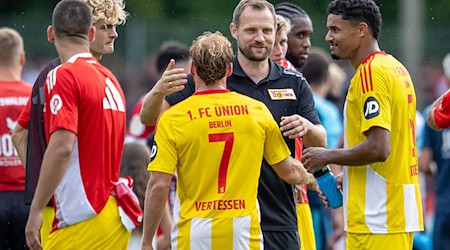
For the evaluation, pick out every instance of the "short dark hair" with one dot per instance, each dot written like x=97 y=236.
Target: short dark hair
x=72 y=18
x=316 y=68
x=290 y=10
x=170 y=50
x=358 y=11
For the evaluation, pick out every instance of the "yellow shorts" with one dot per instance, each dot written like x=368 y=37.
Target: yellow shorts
x=48 y=215
x=103 y=231
x=395 y=241
x=305 y=227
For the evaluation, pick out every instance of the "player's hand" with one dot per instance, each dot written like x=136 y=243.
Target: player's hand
x=314 y=157
x=294 y=126
x=322 y=196
x=32 y=230
x=172 y=80
x=298 y=194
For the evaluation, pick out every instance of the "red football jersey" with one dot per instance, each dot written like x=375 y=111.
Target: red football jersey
x=84 y=97
x=136 y=130
x=13 y=98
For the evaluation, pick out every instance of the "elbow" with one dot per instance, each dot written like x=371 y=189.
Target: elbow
x=159 y=188
x=144 y=119
x=381 y=153
x=64 y=150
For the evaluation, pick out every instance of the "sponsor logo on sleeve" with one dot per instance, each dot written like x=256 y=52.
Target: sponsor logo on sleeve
x=371 y=108
x=282 y=94
x=154 y=151
x=55 y=104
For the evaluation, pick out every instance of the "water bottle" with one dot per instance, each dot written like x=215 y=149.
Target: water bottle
x=328 y=184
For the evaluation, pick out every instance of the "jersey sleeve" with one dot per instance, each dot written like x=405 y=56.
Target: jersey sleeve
x=275 y=148
x=189 y=89
x=442 y=112
x=164 y=156
x=24 y=118
x=375 y=104
x=306 y=103
x=62 y=97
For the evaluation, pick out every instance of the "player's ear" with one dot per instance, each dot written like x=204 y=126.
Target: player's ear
x=233 y=30
x=192 y=68
x=230 y=70
x=50 y=34
x=91 y=35
x=22 y=58
x=363 y=29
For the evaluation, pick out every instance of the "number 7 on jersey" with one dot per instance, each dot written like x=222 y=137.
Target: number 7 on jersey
x=228 y=138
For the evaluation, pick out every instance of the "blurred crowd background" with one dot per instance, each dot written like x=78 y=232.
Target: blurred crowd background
x=415 y=31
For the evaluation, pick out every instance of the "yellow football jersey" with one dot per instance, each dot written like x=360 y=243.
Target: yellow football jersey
x=382 y=197
x=215 y=141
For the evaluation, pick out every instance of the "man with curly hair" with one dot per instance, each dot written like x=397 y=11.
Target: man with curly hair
x=382 y=204
x=29 y=133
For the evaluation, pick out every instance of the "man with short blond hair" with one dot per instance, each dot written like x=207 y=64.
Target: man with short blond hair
x=13 y=97
x=215 y=210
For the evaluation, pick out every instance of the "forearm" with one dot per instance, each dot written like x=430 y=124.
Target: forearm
x=155 y=200
x=20 y=140
x=152 y=106
x=316 y=136
x=359 y=155
x=166 y=227
x=292 y=172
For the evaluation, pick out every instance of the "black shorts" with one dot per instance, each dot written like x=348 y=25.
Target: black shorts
x=13 y=218
x=274 y=240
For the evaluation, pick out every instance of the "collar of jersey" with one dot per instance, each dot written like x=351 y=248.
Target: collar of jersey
x=75 y=57
x=213 y=91
x=373 y=54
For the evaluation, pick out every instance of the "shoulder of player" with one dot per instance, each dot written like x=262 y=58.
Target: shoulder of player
x=382 y=64
x=292 y=74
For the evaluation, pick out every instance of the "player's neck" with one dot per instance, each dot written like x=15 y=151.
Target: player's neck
x=363 y=52
x=256 y=70
x=66 y=50
x=10 y=74
x=219 y=85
